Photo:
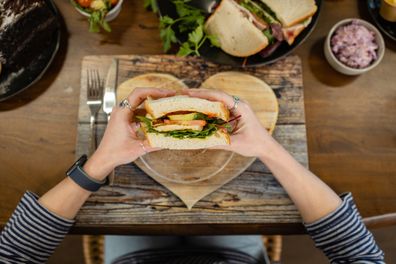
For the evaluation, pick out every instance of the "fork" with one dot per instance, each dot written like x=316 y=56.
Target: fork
x=94 y=101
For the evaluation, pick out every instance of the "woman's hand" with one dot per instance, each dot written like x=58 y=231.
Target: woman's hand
x=250 y=137
x=120 y=144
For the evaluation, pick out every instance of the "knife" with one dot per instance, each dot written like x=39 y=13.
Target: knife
x=109 y=98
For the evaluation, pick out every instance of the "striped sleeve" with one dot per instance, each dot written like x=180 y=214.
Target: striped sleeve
x=343 y=237
x=32 y=233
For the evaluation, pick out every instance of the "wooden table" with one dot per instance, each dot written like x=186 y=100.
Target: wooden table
x=351 y=121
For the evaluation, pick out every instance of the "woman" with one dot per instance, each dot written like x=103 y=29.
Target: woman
x=38 y=225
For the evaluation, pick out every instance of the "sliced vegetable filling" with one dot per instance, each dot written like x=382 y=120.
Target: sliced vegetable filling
x=186 y=125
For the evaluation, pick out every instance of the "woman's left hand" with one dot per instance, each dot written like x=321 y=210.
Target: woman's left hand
x=120 y=144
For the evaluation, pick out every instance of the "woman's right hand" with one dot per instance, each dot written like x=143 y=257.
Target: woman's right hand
x=250 y=137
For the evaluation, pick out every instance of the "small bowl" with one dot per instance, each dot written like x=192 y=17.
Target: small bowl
x=111 y=15
x=339 y=66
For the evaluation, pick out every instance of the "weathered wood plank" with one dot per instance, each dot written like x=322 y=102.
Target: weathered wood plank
x=254 y=197
x=283 y=76
x=251 y=197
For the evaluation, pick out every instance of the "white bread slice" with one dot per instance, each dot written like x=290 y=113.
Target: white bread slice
x=166 y=142
x=290 y=33
x=163 y=106
x=291 y=12
x=236 y=33
x=164 y=128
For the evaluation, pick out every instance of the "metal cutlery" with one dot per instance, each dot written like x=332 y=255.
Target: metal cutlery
x=109 y=98
x=94 y=102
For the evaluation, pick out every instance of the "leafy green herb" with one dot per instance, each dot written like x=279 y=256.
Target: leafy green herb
x=214 y=41
x=209 y=120
x=184 y=50
x=97 y=21
x=183 y=9
x=151 y=4
x=191 y=20
x=167 y=34
x=196 y=36
x=207 y=131
x=200 y=116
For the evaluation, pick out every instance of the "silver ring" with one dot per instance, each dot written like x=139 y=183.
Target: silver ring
x=236 y=102
x=143 y=147
x=125 y=104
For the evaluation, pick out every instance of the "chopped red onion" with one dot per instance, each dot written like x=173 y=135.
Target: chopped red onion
x=354 y=45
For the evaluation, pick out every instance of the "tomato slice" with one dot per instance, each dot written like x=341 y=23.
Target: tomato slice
x=84 y=3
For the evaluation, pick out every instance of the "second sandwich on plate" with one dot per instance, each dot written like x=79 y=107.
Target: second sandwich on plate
x=248 y=27
x=183 y=122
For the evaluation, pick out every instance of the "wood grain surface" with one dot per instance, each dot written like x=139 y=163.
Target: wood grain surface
x=257 y=93
x=193 y=174
x=195 y=72
x=351 y=121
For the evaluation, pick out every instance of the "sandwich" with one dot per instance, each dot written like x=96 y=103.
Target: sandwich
x=183 y=122
x=248 y=27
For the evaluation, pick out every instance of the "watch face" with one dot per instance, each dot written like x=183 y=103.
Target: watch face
x=80 y=162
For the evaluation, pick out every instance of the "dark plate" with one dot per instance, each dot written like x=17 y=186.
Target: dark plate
x=388 y=28
x=218 y=56
x=9 y=86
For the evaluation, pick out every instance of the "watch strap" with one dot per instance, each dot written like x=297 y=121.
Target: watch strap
x=79 y=176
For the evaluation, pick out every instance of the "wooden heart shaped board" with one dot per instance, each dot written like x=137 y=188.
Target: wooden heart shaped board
x=193 y=174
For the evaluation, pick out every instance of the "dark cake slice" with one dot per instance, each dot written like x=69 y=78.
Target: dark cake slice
x=26 y=27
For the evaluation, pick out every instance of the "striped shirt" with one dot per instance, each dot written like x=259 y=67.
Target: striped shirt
x=32 y=234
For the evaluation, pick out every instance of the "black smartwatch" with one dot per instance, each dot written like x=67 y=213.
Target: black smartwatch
x=78 y=175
